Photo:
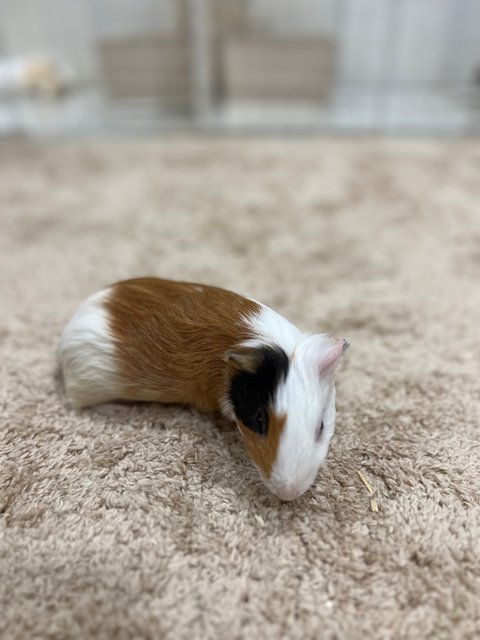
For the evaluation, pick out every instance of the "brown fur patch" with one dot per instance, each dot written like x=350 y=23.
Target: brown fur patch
x=263 y=449
x=171 y=338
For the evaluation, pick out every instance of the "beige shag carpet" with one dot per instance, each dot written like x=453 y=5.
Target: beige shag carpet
x=148 y=521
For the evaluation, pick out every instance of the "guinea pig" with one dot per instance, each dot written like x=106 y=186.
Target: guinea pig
x=155 y=340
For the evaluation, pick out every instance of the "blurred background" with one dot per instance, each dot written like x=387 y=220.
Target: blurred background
x=95 y=66
x=327 y=166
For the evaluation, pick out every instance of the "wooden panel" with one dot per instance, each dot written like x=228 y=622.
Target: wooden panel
x=148 y=66
x=265 y=68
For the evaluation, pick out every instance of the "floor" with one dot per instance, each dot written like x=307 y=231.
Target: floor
x=149 y=521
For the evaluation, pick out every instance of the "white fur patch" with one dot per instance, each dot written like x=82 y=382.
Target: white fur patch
x=86 y=354
x=306 y=398
x=273 y=328
x=307 y=401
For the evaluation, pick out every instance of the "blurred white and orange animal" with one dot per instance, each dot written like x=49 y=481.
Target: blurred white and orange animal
x=34 y=74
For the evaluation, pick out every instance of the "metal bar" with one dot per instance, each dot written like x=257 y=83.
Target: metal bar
x=200 y=61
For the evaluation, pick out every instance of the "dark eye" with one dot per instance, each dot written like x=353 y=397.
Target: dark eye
x=319 y=432
x=260 y=422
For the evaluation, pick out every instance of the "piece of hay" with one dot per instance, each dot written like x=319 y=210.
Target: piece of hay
x=365 y=482
x=373 y=502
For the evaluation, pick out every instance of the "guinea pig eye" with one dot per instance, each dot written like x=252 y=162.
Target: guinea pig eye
x=318 y=433
x=260 y=422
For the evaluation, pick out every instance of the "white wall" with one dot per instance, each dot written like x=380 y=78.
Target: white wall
x=117 y=18
x=385 y=41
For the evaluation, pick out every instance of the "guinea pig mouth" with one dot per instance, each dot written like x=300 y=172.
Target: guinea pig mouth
x=287 y=492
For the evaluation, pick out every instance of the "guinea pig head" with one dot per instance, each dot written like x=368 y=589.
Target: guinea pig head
x=284 y=406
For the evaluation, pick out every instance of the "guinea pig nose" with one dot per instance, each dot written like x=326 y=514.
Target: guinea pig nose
x=288 y=493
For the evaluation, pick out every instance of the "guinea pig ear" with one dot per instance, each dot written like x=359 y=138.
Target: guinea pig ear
x=242 y=358
x=331 y=356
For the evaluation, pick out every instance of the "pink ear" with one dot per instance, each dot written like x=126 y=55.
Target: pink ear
x=332 y=356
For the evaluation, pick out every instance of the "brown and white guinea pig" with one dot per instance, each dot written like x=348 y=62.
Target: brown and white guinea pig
x=157 y=340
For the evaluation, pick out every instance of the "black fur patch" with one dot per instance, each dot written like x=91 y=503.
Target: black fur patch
x=251 y=393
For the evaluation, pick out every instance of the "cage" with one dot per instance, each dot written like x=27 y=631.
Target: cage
x=240 y=65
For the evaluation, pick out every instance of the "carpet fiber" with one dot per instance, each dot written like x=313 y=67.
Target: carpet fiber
x=149 y=521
